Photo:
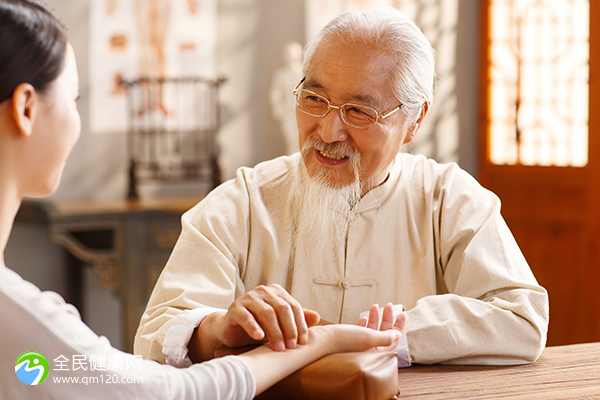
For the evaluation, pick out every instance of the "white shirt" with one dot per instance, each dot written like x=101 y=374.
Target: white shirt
x=41 y=321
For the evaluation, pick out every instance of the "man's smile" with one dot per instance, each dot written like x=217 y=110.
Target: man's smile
x=329 y=158
x=332 y=156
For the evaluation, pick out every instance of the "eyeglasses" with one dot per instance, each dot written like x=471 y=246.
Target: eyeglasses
x=356 y=115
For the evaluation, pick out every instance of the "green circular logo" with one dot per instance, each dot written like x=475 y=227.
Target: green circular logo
x=31 y=368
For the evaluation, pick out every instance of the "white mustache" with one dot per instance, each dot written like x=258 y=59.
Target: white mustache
x=334 y=150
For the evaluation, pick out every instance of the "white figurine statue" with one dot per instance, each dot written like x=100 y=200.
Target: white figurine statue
x=283 y=104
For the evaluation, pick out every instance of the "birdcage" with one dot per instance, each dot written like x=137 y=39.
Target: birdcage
x=171 y=133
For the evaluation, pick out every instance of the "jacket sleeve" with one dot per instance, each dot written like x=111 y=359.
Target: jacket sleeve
x=205 y=267
x=491 y=309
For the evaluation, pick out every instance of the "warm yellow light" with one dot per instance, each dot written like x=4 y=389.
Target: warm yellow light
x=539 y=82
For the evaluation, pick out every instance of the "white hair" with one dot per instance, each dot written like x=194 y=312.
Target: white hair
x=388 y=29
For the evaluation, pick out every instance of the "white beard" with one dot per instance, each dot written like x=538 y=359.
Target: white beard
x=322 y=213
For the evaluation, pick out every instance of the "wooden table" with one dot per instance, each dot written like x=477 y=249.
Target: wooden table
x=562 y=372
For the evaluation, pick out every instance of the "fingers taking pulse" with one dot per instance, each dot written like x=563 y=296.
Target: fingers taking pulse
x=267 y=313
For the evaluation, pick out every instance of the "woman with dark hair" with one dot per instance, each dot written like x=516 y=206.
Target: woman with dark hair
x=34 y=45
x=41 y=334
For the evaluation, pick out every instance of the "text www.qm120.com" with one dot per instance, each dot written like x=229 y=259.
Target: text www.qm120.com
x=105 y=378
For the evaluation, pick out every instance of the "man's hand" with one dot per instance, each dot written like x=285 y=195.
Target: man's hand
x=387 y=319
x=265 y=313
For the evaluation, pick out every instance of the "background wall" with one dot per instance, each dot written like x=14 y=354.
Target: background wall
x=251 y=34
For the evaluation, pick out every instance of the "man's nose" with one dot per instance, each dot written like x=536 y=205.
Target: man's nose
x=333 y=128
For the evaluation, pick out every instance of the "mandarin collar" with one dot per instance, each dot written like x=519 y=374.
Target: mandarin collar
x=376 y=196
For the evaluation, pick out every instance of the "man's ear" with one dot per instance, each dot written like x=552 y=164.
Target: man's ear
x=25 y=104
x=412 y=131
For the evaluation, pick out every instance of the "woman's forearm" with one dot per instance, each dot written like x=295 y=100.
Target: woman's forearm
x=269 y=367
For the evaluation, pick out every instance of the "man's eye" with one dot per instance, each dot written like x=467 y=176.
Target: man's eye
x=315 y=99
x=359 y=112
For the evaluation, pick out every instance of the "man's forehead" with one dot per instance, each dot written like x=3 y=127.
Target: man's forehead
x=351 y=71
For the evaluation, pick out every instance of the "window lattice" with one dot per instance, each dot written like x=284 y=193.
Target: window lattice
x=539 y=82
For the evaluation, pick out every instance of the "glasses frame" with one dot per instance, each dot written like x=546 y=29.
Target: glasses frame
x=341 y=108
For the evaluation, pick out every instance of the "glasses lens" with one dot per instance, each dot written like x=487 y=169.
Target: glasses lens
x=312 y=103
x=360 y=116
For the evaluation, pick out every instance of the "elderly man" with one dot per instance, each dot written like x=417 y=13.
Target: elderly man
x=351 y=222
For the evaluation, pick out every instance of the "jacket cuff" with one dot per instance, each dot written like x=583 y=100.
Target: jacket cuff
x=175 y=348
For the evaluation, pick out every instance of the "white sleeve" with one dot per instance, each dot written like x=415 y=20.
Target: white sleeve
x=175 y=348
x=227 y=378
x=402 y=349
x=81 y=365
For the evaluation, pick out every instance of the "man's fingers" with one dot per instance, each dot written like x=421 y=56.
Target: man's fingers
x=387 y=320
x=245 y=319
x=268 y=313
x=303 y=318
x=267 y=317
x=291 y=321
x=311 y=317
x=373 y=322
x=238 y=327
x=279 y=314
x=291 y=317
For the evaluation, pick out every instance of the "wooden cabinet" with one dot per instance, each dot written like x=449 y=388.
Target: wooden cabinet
x=127 y=243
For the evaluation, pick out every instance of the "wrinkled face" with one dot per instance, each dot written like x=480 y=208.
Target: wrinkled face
x=352 y=73
x=56 y=129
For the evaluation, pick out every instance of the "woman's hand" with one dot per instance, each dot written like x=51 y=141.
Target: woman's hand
x=387 y=319
x=351 y=338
